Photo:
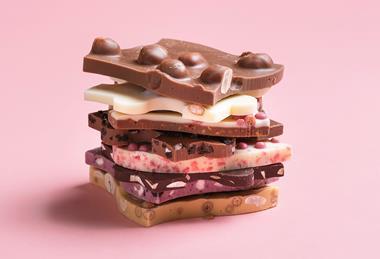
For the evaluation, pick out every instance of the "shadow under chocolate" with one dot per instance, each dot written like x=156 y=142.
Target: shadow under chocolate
x=86 y=206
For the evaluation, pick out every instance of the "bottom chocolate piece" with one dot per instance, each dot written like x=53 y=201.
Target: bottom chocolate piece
x=207 y=206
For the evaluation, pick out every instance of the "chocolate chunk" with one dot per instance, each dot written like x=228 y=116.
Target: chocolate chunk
x=191 y=59
x=255 y=61
x=152 y=55
x=109 y=135
x=180 y=59
x=213 y=74
x=173 y=67
x=105 y=46
x=184 y=147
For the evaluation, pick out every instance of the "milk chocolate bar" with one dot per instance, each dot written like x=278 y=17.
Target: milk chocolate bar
x=157 y=188
x=207 y=205
x=231 y=127
x=183 y=70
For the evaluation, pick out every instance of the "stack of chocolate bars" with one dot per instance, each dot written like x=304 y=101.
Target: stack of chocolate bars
x=185 y=133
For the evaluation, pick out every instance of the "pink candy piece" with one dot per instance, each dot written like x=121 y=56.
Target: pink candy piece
x=242 y=145
x=132 y=147
x=260 y=145
x=260 y=116
x=144 y=147
x=274 y=140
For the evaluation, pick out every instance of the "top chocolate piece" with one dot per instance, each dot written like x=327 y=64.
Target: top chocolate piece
x=183 y=70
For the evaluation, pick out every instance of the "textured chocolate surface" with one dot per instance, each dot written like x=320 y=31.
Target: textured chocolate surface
x=183 y=70
x=240 y=177
x=158 y=188
x=275 y=128
x=174 y=146
x=180 y=146
x=110 y=136
x=206 y=205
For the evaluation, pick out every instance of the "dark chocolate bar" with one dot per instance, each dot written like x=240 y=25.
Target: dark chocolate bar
x=183 y=70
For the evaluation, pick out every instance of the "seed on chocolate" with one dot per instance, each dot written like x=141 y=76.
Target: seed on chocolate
x=168 y=153
x=105 y=46
x=242 y=145
x=152 y=55
x=132 y=147
x=196 y=109
x=255 y=61
x=192 y=59
x=178 y=146
x=260 y=116
x=207 y=207
x=173 y=67
x=236 y=201
x=218 y=74
x=260 y=145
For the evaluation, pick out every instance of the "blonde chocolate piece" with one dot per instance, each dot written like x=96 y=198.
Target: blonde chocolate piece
x=206 y=206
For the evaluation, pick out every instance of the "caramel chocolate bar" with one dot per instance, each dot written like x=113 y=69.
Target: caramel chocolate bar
x=206 y=206
x=169 y=121
x=183 y=70
x=157 y=188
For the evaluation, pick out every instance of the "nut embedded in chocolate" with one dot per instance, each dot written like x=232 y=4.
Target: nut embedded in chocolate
x=255 y=61
x=218 y=74
x=192 y=59
x=173 y=67
x=152 y=55
x=105 y=46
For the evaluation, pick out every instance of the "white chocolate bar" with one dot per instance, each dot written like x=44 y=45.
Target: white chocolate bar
x=174 y=117
x=132 y=99
x=242 y=158
x=206 y=206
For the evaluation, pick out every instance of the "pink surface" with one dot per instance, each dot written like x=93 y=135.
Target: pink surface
x=328 y=101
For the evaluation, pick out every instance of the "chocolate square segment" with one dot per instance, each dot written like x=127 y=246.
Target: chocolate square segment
x=183 y=70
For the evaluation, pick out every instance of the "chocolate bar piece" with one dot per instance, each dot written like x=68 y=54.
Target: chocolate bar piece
x=174 y=146
x=180 y=146
x=245 y=156
x=183 y=70
x=110 y=136
x=169 y=121
x=158 y=188
x=131 y=99
x=207 y=205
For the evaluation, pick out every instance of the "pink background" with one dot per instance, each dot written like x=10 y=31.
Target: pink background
x=329 y=102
